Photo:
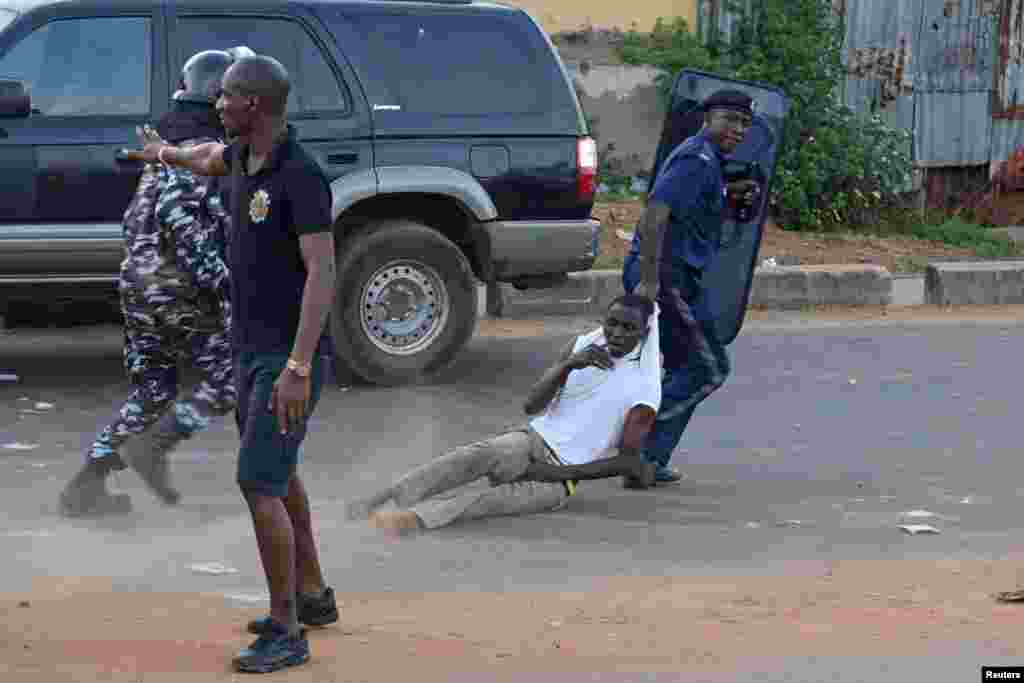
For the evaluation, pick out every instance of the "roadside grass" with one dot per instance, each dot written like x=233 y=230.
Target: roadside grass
x=939 y=226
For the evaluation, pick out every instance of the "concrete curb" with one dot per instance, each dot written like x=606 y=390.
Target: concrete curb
x=779 y=287
x=957 y=283
x=799 y=286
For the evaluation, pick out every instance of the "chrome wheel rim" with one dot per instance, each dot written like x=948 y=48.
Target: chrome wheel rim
x=403 y=307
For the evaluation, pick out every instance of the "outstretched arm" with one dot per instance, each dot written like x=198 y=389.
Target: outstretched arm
x=205 y=159
x=628 y=461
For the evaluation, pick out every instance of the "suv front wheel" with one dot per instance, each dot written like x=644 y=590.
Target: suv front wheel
x=405 y=305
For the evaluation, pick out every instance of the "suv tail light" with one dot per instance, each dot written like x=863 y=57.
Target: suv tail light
x=586 y=168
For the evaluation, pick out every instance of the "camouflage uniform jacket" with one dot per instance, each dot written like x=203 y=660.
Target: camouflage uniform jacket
x=174 y=271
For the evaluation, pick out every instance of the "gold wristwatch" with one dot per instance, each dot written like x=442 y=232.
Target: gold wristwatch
x=300 y=369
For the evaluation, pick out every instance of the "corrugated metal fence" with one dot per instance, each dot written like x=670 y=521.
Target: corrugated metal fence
x=952 y=71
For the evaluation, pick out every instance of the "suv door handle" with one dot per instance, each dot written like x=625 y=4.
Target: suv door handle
x=342 y=157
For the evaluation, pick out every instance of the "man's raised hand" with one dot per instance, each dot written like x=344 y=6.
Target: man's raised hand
x=151 y=143
x=593 y=355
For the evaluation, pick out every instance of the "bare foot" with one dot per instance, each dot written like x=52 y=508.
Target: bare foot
x=397 y=522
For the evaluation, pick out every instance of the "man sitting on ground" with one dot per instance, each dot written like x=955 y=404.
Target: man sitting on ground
x=594 y=409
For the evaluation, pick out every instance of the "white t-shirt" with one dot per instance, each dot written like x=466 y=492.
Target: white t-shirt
x=586 y=418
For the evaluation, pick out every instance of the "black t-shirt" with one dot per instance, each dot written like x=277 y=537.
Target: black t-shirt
x=289 y=197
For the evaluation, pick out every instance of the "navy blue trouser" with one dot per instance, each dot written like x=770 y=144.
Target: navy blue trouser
x=695 y=361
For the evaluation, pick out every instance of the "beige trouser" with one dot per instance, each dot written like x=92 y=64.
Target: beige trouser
x=501 y=459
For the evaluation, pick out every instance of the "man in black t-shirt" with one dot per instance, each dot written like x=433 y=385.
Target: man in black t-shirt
x=281 y=255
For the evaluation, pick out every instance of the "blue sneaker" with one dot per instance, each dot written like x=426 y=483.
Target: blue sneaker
x=273 y=651
x=667 y=475
x=314 y=610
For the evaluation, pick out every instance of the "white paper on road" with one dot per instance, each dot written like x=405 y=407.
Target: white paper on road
x=915 y=529
x=212 y=568
x=30 y=533
x=920 y=514
x=251 y=598
x=18 y=446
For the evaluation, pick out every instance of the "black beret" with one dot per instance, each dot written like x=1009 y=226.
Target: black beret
x=729 y=99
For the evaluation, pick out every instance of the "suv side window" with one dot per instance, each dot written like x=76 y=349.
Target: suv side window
x=448 y=64
x=315 y=88
x=85 y=67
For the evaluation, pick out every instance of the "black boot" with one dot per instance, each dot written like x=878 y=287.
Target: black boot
x=86 y=494
x=148 y=457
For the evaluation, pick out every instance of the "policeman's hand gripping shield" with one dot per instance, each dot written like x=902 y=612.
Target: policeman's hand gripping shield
x=729 y=279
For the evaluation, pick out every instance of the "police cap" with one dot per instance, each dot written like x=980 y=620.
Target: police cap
x=730 y=99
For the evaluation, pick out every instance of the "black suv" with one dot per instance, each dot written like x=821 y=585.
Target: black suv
x=456 y=147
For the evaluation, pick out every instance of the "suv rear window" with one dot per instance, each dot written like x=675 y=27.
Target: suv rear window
x=444 y=64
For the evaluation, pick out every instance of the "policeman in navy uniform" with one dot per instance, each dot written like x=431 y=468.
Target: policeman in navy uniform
x=678 y=237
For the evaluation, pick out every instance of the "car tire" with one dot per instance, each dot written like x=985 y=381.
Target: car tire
x=405 y=303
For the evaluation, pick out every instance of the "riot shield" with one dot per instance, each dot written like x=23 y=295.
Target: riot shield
x=729 y=278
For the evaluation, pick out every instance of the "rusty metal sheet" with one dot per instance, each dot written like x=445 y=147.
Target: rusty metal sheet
x=879 y=56
x=952 y=129
x=942 y=68
x=956 y=44
x=1008 y=101
x=927 y=65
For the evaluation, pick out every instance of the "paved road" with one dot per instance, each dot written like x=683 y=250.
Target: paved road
x=843 y=427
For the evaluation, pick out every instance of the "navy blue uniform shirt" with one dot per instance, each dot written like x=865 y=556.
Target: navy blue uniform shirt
x=692 y=186
x=288 y=197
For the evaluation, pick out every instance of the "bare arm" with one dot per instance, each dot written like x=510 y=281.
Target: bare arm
x=678 y=189
x=290 y=400
x=653 y=226
x=318 y=295
x=549 y=383
x=205 y=159
x=547 y=387
x=628 y=461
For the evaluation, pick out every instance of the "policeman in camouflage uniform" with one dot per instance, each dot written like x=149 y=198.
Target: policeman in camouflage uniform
x=174 y=290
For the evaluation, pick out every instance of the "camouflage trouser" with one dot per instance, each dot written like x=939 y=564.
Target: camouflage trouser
x=153 y=346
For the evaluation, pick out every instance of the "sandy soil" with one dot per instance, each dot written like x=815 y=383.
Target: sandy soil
x=73 y=629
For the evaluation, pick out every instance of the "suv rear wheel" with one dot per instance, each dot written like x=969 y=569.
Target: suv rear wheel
x=405 y=305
